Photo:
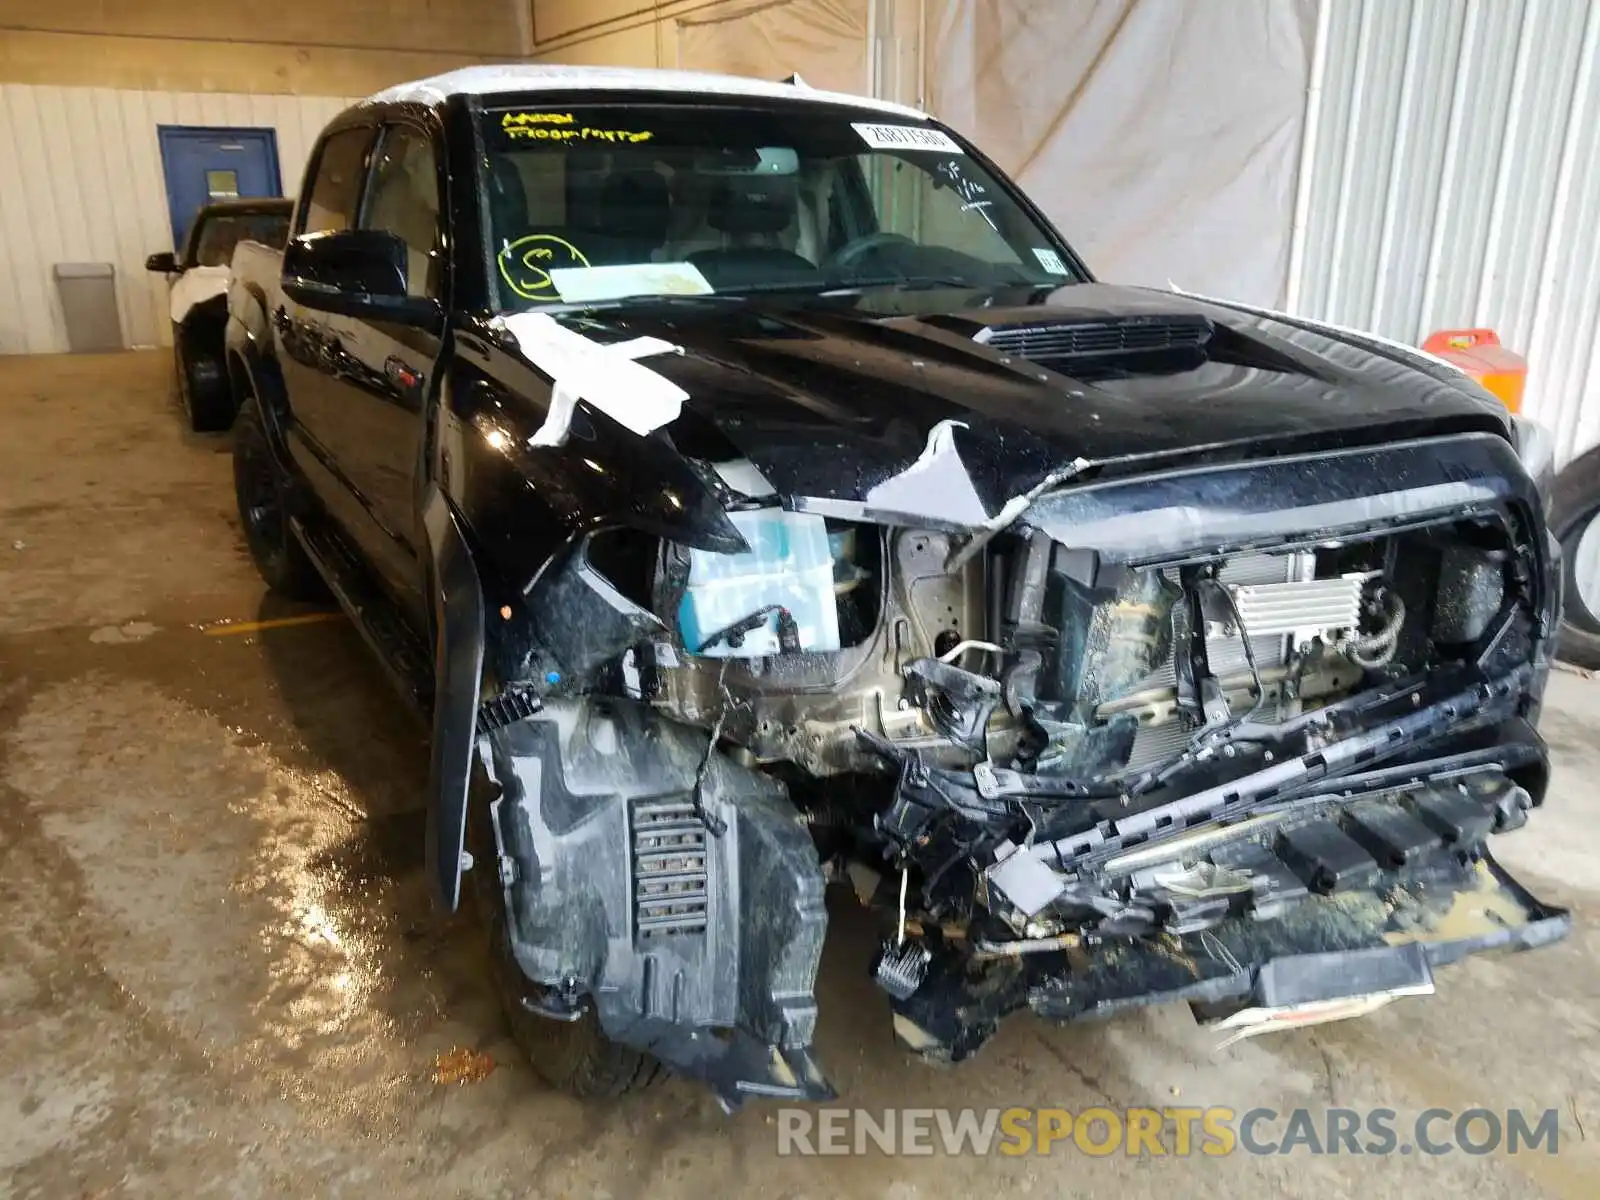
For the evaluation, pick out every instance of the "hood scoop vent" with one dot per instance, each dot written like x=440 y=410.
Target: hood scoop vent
x=1105 y=338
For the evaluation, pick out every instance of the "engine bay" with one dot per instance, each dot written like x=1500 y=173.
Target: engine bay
x=933 y=725
x=829 y=637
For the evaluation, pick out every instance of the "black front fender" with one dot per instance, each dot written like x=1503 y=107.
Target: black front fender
x=457 y=610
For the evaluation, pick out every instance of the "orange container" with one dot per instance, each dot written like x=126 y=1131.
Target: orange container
x=1479 y=353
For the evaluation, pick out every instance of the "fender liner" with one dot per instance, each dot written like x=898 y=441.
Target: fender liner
x=458 y=632
x=669 y=887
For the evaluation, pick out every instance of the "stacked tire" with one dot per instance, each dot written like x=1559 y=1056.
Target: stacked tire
x=1575 y=521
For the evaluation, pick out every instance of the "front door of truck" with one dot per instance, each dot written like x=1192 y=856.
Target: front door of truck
x=381 y=403
x=317 y=350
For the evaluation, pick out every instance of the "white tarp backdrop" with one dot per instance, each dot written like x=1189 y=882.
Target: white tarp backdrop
x=824 y=41
x=1163 y=138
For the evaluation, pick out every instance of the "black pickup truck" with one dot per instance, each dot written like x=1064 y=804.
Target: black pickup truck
x=753 y=489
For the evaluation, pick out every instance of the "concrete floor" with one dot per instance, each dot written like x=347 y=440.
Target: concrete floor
x=219 y=973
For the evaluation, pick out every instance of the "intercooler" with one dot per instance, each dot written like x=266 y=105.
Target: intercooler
x=1279 y=605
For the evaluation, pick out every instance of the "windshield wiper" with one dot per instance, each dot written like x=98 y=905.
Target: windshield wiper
x=913 y=283
x=681 y=299
x=919 y=283
x=819 y=288
x=691 y=299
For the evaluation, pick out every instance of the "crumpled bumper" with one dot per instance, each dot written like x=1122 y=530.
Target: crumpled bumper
x=1383 y=936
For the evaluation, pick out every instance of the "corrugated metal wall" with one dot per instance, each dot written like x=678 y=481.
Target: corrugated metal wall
x=83 y=183
x=1454 y=180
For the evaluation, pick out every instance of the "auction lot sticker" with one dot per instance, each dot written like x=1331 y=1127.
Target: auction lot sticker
x=906 y=137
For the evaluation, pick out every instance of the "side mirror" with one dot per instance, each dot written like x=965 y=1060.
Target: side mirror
x=165 y=262
x=356 y=273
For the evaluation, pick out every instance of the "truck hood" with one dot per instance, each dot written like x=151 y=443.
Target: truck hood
x=954 y=406
x=835 y=400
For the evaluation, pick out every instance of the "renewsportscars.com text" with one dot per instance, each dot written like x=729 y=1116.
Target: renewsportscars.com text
x=1156 y=1132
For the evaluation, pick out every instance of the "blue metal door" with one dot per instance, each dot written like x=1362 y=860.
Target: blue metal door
x=204 y=163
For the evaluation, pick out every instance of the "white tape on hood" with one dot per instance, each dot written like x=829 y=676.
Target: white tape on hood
x=743 y=476
x=935 y=485
x=605 y=376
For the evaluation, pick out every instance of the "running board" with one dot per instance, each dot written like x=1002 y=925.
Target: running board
x=404 y=655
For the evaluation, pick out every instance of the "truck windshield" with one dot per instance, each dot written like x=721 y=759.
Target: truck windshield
x=600 y=202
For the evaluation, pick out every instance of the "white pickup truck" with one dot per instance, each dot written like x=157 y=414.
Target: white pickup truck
x=198 y=275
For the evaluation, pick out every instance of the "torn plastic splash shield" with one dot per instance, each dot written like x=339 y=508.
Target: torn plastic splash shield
x=698 y=947
x=578 y=620
x=1299 y=498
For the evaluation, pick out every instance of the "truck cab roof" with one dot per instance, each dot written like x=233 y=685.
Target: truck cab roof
x=534 y=77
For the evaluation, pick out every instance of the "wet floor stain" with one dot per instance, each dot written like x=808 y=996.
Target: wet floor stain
x=130 y=631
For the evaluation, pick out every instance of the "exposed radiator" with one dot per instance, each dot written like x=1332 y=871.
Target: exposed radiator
x=1276 y=600
x=669 y=868
x=1225 y=652
x=1302 y=608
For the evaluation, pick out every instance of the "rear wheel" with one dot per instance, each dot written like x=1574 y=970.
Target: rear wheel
x=262 y=494
x=572 y=1056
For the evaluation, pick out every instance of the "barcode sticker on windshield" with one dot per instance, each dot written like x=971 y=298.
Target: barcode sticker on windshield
x=1050 y=261
x=906 y=137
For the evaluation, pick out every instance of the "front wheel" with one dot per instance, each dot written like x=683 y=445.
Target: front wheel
x=575 y=1057
x=261 y=491
x=202 y=385
x=572 y=1056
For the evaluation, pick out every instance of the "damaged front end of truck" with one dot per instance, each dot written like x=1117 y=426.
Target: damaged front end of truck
x=1236 y=735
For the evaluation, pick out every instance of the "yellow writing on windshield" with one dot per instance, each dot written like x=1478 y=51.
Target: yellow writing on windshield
x=545 y=133
x=517 y=120
x=525 y=264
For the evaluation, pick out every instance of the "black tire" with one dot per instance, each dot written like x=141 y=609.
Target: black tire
x=202 y=386
x=1575 y=506
x=262 y=493
x=575 y=1057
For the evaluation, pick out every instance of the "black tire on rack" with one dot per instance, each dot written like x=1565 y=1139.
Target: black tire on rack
x=1574 y=512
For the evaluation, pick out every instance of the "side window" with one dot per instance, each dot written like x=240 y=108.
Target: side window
x=336 y=186
x=403 y=198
